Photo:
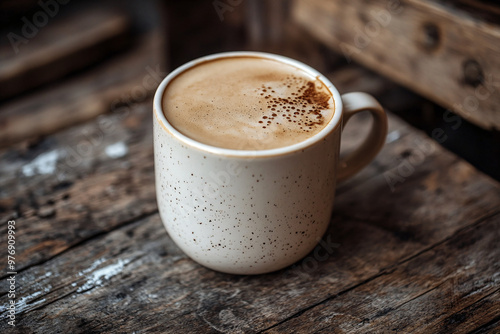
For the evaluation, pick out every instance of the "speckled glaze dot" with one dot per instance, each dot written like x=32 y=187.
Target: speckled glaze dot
x=247 y=211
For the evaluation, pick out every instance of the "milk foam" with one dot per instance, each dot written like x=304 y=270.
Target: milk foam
x=247 y=103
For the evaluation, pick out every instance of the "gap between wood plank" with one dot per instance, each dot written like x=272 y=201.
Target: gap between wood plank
x=380 y=168
x=385 y=271
x=88 y=239
x=485 y=326
x=472 y=225
x=475 y=302
x=418 y=296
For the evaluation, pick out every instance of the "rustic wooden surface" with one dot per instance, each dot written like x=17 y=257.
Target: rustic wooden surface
x=110 y=85
x=447 y=51
x=82 y=39
x=93 y=255
x=413 y=245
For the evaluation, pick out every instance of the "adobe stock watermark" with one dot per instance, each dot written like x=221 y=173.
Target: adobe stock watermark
x=210 y=190
x=31 y=27
x=423 y=149
x=380 y=19
x=223 y=177
x=106 y=125
x=223 y=6
x=409 y=163
x=321 y=253
x=11 y=272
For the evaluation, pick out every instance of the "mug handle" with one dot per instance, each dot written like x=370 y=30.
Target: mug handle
x=363 y=155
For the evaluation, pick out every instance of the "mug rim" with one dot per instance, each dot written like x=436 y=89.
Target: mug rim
x=160 y=117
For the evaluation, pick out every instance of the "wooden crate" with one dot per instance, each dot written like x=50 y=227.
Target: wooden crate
x=447 y=52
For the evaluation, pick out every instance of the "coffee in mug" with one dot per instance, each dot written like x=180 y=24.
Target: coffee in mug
x=249 y=103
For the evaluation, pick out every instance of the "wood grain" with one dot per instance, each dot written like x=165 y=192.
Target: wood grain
x=122 y=81
x=67 y=44
x=452 y=287
x=436 y=48
x=87 y=189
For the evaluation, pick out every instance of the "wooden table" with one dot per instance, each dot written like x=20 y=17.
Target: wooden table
x=419 y=253
x=413 y=245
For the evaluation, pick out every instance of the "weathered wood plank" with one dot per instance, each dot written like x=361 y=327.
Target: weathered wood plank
x=100 y=176
x=138 y=267
x=67 y=44
x=452 y=287
x=356 y=78
x=124 y=80
x=438 y=50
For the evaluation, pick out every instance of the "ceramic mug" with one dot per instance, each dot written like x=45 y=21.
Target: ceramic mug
x=253 y=212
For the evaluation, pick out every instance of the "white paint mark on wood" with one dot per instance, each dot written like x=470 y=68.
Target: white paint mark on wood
x=22 y=303
x=28 y=302
x=96 y=278
x=45 y=163
x=116 y=150
x=392 y=136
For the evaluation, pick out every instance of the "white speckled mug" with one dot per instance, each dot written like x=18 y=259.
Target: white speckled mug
x=253 y=212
